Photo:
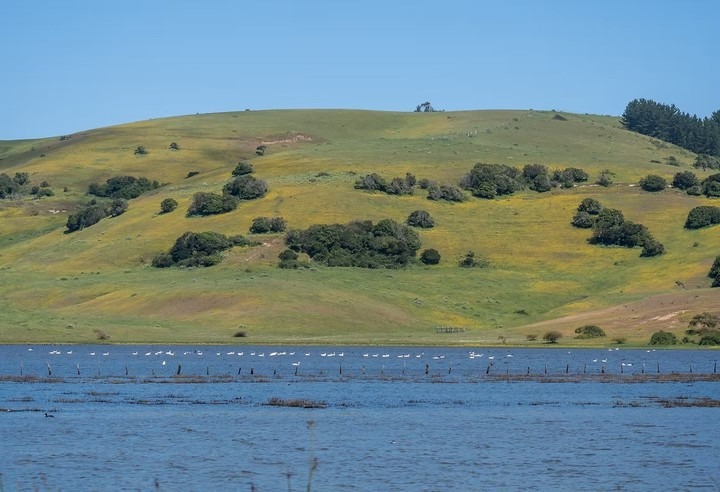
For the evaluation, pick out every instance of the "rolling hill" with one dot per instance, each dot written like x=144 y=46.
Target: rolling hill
x=542 y=274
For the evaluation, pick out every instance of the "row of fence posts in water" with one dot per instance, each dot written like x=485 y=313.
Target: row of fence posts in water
x=382 y=371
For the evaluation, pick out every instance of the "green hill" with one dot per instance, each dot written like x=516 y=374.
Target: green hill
x=542 y=273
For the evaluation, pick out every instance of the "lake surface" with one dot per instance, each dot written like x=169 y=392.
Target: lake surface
x=197 y=418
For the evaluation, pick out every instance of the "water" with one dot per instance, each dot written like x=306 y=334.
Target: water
x=417 y=419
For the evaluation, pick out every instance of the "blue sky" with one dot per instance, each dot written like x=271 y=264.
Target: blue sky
x=73 y=65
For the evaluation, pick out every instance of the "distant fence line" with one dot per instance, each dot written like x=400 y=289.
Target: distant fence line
x=449 y=329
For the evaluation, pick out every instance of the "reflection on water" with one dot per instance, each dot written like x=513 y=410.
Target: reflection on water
x=396 y=418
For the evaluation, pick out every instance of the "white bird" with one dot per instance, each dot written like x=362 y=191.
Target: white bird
x=163 y=363
x=106 y=353
x=135 y=353
x=296 y=363
x=92 y=353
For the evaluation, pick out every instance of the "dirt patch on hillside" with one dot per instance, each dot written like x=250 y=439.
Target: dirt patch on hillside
x=670 y=312
x=288 y=139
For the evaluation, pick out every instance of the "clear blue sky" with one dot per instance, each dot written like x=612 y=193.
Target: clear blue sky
x=71 y=65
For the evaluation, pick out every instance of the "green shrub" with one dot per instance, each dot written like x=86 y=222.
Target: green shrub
x=127 y=187
x=663 y=338
x=242 y=168
x=583 y=220
x=611 y=229
x=490 y=180
x=710 y=338
x=472 y=261
x=194 y=249
x=211 y=204
x=430 y=257
x=702 y=216
x=704 y=162
x=685 y=180
x=714 y=272
x=246 y=187
x=263 y=225
x=168 y=205
x=445 y=192
x=371 y=182
x=117 y=207
x=589 y=331
x=606 y=178
x=653 y=183
x=421 y=219
x=711 y=186
x=591 y=206
x=86 y=217
x=567 y=177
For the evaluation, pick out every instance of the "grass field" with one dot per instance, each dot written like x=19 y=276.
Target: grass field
x=543 y=274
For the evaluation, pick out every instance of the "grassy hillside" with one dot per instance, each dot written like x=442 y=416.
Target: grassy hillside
x=59 y=287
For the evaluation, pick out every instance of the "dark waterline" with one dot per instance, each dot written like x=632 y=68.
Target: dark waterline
x=416 y=419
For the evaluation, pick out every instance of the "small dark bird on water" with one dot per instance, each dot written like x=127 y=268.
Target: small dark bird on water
x=47 y=415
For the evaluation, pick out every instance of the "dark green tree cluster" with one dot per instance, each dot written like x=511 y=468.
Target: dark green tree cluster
x=714 y=272
x=127 y=187
x=425 y=107
x=611 y=229
x=446 y=192
x=397 y=186
x=243 y=186
x=197 y=249
x=491 y=180
x=702 y=216
x=20 y=183
x=204 y=203
x=705 y=162
x=688 y=182
x=711 y=186
x=386 y=244
x=263 y=225
x=94 y=213
x=668 y=123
